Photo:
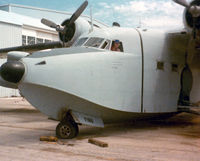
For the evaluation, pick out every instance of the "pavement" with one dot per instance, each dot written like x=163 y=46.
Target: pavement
x=21 y=126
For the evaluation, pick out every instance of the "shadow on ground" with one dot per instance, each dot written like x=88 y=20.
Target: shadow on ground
x=181 y=124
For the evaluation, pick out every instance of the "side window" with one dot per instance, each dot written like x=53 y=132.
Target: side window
x=46 y=40
x=31 y=40
x=117 y=46
x=39 y=40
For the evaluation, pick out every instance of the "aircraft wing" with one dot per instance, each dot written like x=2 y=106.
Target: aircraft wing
x=32 y=48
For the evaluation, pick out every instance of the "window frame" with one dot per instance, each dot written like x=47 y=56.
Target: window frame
x=107 y=47
x=24 y=40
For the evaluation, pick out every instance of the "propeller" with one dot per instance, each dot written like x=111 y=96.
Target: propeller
x=78 y=12
x=66 y=29
x=49 y=23
x=193 y=9
x=52 y=25
x=75 y=16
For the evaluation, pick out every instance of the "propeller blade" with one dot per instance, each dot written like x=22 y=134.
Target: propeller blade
x=182 y=2
x=49 y=23
x=78 y=12
x=66 y=27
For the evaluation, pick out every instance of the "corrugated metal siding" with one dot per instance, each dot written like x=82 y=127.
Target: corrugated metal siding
x=10 y=35
x=7 y=92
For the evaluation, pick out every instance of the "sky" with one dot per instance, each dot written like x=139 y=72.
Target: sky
x=128 y=13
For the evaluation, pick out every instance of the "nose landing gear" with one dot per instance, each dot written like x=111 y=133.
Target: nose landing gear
x=67 y=128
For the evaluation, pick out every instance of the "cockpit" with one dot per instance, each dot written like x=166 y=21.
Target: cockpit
x=100 y=43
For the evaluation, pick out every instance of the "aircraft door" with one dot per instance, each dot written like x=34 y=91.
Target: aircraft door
x=186 y=86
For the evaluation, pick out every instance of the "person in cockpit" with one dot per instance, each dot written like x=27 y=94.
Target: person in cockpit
x=115 y=45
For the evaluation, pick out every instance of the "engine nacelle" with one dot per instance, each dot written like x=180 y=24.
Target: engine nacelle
x=12 y=56
x=188 y=19
x=79 y=27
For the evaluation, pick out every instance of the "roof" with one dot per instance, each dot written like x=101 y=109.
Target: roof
x=39 y=13
x=9 y=18
x=17 y=19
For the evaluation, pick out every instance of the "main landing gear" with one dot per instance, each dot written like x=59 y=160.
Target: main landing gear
x=67 y=128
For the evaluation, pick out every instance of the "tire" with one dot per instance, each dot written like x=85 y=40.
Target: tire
x=67 y=130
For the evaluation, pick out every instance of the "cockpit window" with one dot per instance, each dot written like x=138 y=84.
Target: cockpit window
x=94 y=42
x=117 y=46
x=81 y=41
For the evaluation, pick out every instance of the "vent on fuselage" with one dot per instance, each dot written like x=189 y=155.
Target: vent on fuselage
x=160 y=65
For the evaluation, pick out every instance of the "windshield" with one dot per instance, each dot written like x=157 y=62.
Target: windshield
x=81 y=41
x=94 y=42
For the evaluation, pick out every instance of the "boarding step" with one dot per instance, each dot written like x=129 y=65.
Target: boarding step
x=189 y=109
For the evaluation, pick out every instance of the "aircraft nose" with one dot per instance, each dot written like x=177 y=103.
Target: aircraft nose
x=12 y=71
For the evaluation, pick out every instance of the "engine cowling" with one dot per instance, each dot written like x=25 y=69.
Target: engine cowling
x=79 y=27
x=189 y=20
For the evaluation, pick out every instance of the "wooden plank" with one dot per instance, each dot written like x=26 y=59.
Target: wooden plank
x=49 y=138
x=97 y=142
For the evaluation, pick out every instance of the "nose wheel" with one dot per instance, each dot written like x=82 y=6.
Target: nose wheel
x=67 y=129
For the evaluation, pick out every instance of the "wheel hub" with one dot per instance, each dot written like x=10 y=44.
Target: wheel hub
x=65 y=130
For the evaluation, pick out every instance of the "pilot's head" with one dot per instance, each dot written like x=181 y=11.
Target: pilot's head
x=116 y=41
x=115 y=45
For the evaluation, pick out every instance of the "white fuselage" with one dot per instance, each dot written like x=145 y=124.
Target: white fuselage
x=106 y=84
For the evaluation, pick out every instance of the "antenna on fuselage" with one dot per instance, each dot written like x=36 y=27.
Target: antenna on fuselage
x=91 y=19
